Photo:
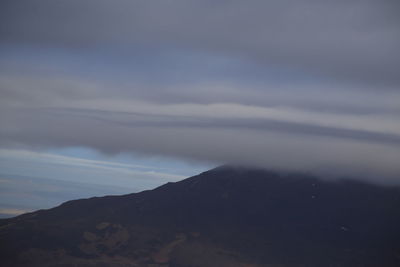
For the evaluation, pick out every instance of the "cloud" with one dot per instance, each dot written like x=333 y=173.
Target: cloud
x=350 y=40
x=7 y=212
x=242 y=138
x=98 y=172
x=295 y=85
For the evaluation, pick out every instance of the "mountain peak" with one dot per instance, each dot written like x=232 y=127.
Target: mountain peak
x=234 y=215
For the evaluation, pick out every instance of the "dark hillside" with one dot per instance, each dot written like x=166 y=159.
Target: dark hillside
x=223 y=217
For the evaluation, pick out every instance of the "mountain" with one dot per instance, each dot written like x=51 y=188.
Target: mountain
x=228 y=216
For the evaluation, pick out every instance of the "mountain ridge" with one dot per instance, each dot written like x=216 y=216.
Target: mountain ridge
x=256 y=216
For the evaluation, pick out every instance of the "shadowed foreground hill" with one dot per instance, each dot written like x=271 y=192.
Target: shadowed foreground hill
x=224 y=217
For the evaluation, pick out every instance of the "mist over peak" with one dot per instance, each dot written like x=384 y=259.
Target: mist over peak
x=298 y=86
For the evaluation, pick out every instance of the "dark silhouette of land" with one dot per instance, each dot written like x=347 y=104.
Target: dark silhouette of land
x=228 y=216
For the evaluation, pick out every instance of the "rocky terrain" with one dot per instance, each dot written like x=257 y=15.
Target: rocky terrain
x=228 y=216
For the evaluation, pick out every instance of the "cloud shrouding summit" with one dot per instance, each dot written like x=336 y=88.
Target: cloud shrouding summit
x=302 y=85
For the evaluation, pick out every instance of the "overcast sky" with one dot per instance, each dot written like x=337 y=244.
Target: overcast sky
x=297 y=85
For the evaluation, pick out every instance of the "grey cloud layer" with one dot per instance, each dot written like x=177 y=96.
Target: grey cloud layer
x=347 y=149
x=353 y=40
x=284 y=84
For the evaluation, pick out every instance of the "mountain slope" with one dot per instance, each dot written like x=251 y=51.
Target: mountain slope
x=224 y=217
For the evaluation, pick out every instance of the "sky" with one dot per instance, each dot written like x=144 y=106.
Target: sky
x=119 y=96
